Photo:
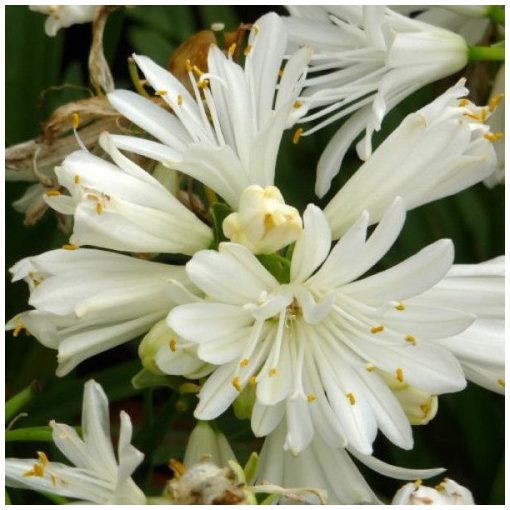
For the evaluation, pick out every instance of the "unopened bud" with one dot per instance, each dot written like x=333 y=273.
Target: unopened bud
x=160 y=335
x=264 y=222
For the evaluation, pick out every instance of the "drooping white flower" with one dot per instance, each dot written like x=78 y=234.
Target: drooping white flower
x=63 y=16
x=264 y=223
x=477 y=289
x=447 y=492
x=121 y=207
x=314 y=346
x=441 y=149
x=330 y=469
x=366 y=60
x=89 y=301
x=97 y=475
x=227 y=133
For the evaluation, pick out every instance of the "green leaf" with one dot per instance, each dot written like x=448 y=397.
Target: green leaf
x=219 y=211
x=15 y=404
x=148 y=42
x=277 y=265
x=147 y=379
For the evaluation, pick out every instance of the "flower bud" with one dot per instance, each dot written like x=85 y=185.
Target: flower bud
x=160 y=335
x=447 y=492
x=264 y=223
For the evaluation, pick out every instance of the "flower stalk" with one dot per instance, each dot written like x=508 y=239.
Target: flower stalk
x=489 y=53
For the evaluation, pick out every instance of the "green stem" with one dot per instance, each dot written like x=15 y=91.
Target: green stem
x=29 y=434
x=7 y=498
x=494 y=53
x=497 y=14
x=18 y=402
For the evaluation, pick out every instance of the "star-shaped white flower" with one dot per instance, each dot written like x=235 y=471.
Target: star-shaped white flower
x=98 y=476
x=317 y=346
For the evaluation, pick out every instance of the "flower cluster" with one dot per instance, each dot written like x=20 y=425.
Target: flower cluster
x=288 y=316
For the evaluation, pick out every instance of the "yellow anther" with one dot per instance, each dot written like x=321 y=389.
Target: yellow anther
x=464 y=102
x=188 y=66
x=76 y=179
x=43 y=459
x=483 y=114
x=493 y=103
x=70 y=247
x=399 y=373
x=197 y=71
x=18 y=329
x=272 y=372
x=501 y=382
x=244 y=362
x=493 y=137
x=161 y=92
x=410 y=339
x=256 y=29
x=297 y=104
x=248 y=49
x=172 y=344
x=297 y=135
x=439 y=487
x=352 y=398
x=310 y=397
x=99 y=208
x=53 y=193
x=252 y=381
x=38 y=469
x=474 y=116
x=203 y=84
x=400 y=307
x=232 y=49
x=236 y=383
x=76 y=120
x=418 y=482
x=30 y=472
x=370 y=367
x=376 y=329
x=268 y=221
x=177 y=467
x=180 y=100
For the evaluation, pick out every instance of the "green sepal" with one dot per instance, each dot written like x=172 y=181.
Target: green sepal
x=250 y=468
x=147 y=379
x=219 y=211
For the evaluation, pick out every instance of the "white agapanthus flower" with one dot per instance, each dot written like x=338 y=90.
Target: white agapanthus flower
x=316 y=346
x=330 y=469
x=98 y=476
x=121 y=207
x=88 y=301
x=477 y=289
x=366 y=60
x=447 y=492
x=227 y=133
x=63 y=16
x=437 y=151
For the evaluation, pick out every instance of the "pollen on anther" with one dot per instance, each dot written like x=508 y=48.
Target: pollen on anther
x=370 y=367
x=76 y=120
x=53 y=193
x=410 y=339
x=493 y=137
x=377 y=329
x=493 y=103
x=244 y=362
x=272 y=372
x=297 y=135
x=351 y=397
x=76 y=179
x=188 y=66
x=70 y=247
x=180 y=100
x=99 y=208
x=464 y=102
x=248 y=49
x=297 y=104
x=172 y=344
x=418 y=482
x=400 y=307
x=399 y=374
x=310 y=397
x=161 y=92
x=236 y=383
x=38 y=469
x=501 y=382
x=232 y=49
x=252 y=381
x=43 y=458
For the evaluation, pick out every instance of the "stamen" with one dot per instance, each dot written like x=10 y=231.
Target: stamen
x=410 y=339
x=501 y=382
x=76 y=120
x=310 y=397
x=232 y=49
x=439 y=487
x=256 y=29
x=188 y=66
x=370 y=367
x=70 y=247
x=18 y=329
x=400 y=307
x=172 y=344
x=53 y=193
x=236 y=383
x=252 y=381
x=400 y=375
x=280 y=73
x=76 y=179
x=377 y=329
x=418 y=482
x=43 y=459
x=248 y=49
x=161 y=92
x=493 y=137
x=352 y=398
x=197 y=71
x=297 y=135
x=76 y=123
x=272 y=372
x=177 y=467
x=244 y=362
x=493 y=103
x=464 y=102
x=297 y=104
x=99 y=208
x=203 y=84
x=180 y=100
x=483 y=114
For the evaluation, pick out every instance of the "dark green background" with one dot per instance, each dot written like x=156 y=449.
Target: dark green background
x=466 y=436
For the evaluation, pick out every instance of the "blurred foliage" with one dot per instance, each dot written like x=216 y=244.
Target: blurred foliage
x=466 y=436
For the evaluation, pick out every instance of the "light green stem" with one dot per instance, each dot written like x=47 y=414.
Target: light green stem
x=494 y=53
x=29 y=434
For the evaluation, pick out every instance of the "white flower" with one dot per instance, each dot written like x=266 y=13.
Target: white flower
x=323 y=467
x=227 y=133
x=264 y=223
x=441 y=149
x=206 y=443
x=477 y=289
x=122 y=207
x=89 y=301
x=366 y=60
x=447 y=492
x=98 y=477
x=63 y=16
x=314 y=345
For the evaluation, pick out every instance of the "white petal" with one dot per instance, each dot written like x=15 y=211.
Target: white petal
x=265 y=419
